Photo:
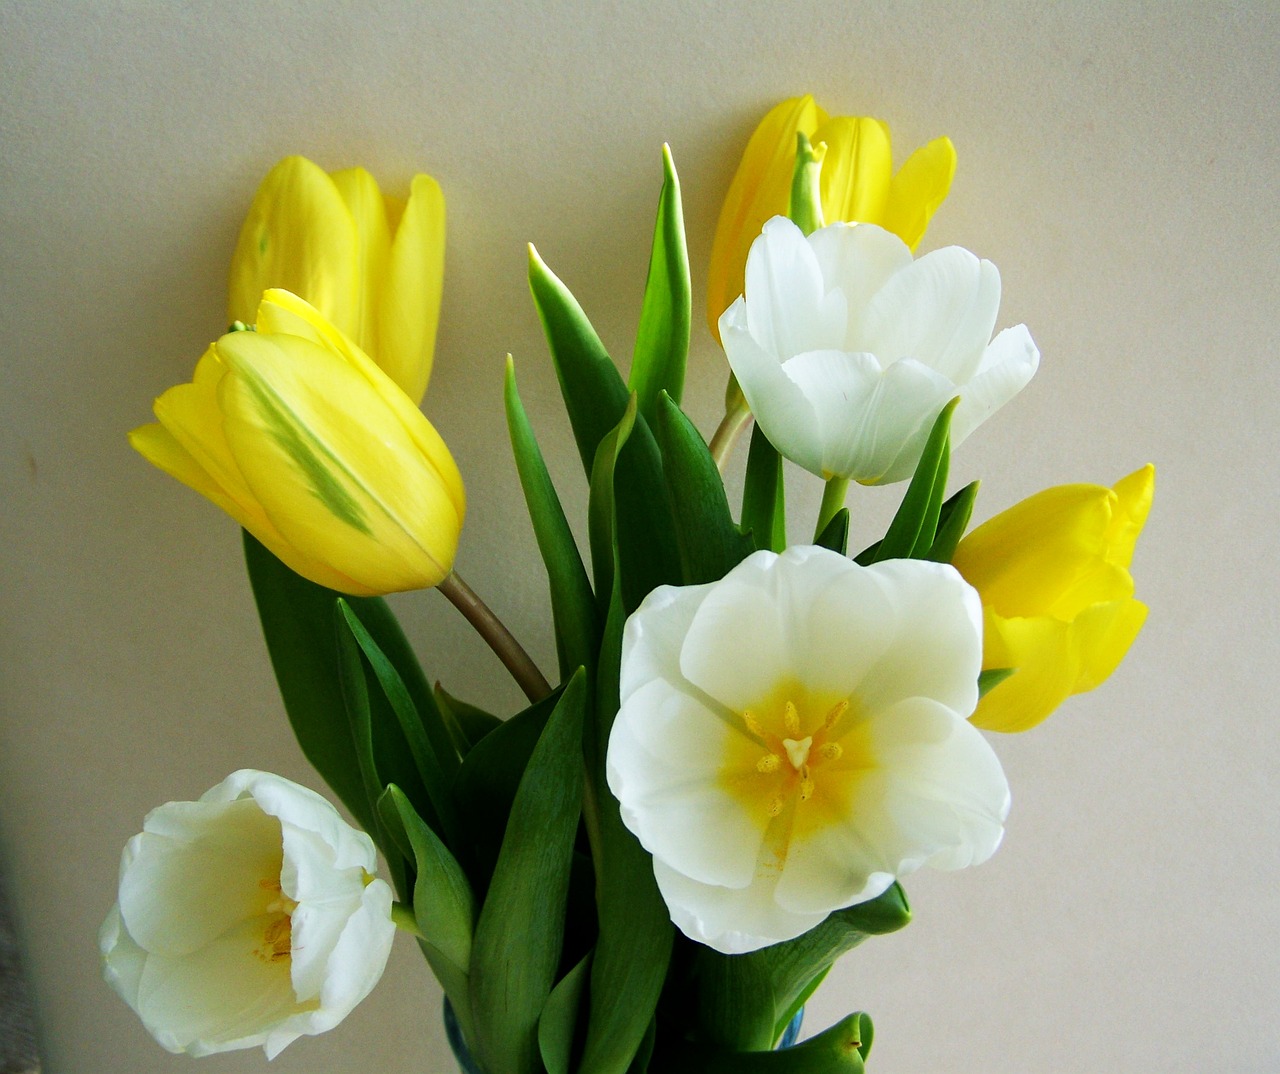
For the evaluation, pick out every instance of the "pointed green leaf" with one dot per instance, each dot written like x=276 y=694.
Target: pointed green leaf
x=443 y=905
x=520 y=930
x=596 y=400
x=559 y=1019
x=913 y=528
x=991 y=678
x=662 y=340
x=466 y=724
x=710 y=543
x=485 y=788
x=435 y=767
x=602 y=507
x=573 y=605
x=298 y=625
x=953 y=520
x=838 y=1050
x=836 y=534
x=764 y=514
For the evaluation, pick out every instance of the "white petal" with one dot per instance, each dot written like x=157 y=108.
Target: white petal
x=122 y=959
x=196 y=871
x=665 y=755
x=1008 y=364
x=654 y=634
x=218 y=999
x=940 y=311
x=936 y=649
x=858 y=259
x=790 y=307
x=781 y=409
x=866 y=418
x=732 y=921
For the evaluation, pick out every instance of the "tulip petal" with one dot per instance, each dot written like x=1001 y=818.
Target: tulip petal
x=1040 y=649
x=940 y=309
x=1101 y=636
x=856 y=169
x=1007 y=366
x=409 y=309
x=363 y=503
x=298 y=235
x=360 y=193
x=1134 y=494
x=790 y=309
x=859 y=261
x=920 y=186
x=761 y=188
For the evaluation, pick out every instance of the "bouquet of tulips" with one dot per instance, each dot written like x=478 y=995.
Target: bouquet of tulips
x=749 y=743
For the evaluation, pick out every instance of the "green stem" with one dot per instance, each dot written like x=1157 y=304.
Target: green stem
x=832 y=500
x=496 y=636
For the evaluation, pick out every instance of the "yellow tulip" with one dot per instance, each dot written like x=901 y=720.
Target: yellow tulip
x=857 y=184
x=372 y=265
x=296 y=433
x=1057 y=596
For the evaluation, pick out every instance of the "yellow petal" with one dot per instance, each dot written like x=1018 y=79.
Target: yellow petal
x=1134 y=495
x=1024 y=559
x=856 y=170
x=1040 y=648
x=360 y=193
x=409 y=307
x=332 y=467
x=160 y=448
x=284 y=313
x=761 y=188
x=298 y=235
x=1102 y=635
x=920 y=186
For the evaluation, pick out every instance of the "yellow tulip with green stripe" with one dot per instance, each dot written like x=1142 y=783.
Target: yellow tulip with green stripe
x=1057 y=595
x=372 y=265
x=857 y=183
x=299 y=436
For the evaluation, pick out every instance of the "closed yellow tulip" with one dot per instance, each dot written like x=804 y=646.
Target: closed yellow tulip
x=372 y=265
x=857 y=183
x=1057 y=595
x=299 y=436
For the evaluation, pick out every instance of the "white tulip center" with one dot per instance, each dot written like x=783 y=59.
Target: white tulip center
x=794 y=756
x=277 y=933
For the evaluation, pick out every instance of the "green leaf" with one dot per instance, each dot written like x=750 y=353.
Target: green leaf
x=435 y=761
x=573 y=605
x=662 y=340
x=838 y=1050
x=466 y=724
x=520 y=930
x=485 y=788
x=913 y=528
x=559 y=1019
x=764 y=513
x=602 y=505
x=633 y=948
x=953 y=520
x=991 y=678
x=836 y=534
x=788 y=1015
x=710 y=543
x=443 y=905
x=787 y=968
x=596 y=400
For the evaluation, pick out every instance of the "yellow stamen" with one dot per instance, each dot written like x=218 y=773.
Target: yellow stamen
x=791 y=719
x=833 y=717
x=753 y=726
x=775 y=807
x=806 y=789
x=768 y=763
x=830 y=751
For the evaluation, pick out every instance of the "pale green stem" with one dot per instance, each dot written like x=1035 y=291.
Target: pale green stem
x=403 y=917
x=726 y=435
x=496 y=636
x=832 y=500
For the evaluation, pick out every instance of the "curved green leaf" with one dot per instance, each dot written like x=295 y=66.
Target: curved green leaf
x=764 y=514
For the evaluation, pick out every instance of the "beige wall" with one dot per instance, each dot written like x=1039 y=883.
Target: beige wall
x=1118 y=161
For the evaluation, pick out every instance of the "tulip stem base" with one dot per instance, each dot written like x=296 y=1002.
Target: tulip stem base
x=832 y=500
x=496 y=636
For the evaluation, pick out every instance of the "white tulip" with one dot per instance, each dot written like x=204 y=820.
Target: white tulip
x=846 y=349
x=250 y=917
x=794 y=737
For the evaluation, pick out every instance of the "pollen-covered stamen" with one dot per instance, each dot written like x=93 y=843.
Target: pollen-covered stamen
x=770 y=762
x=791 y=720
x=833 y=717
x=830 y=751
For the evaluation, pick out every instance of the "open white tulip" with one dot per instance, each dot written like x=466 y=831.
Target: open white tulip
x=247 y=918
x=846 y=349
x=794 y=736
